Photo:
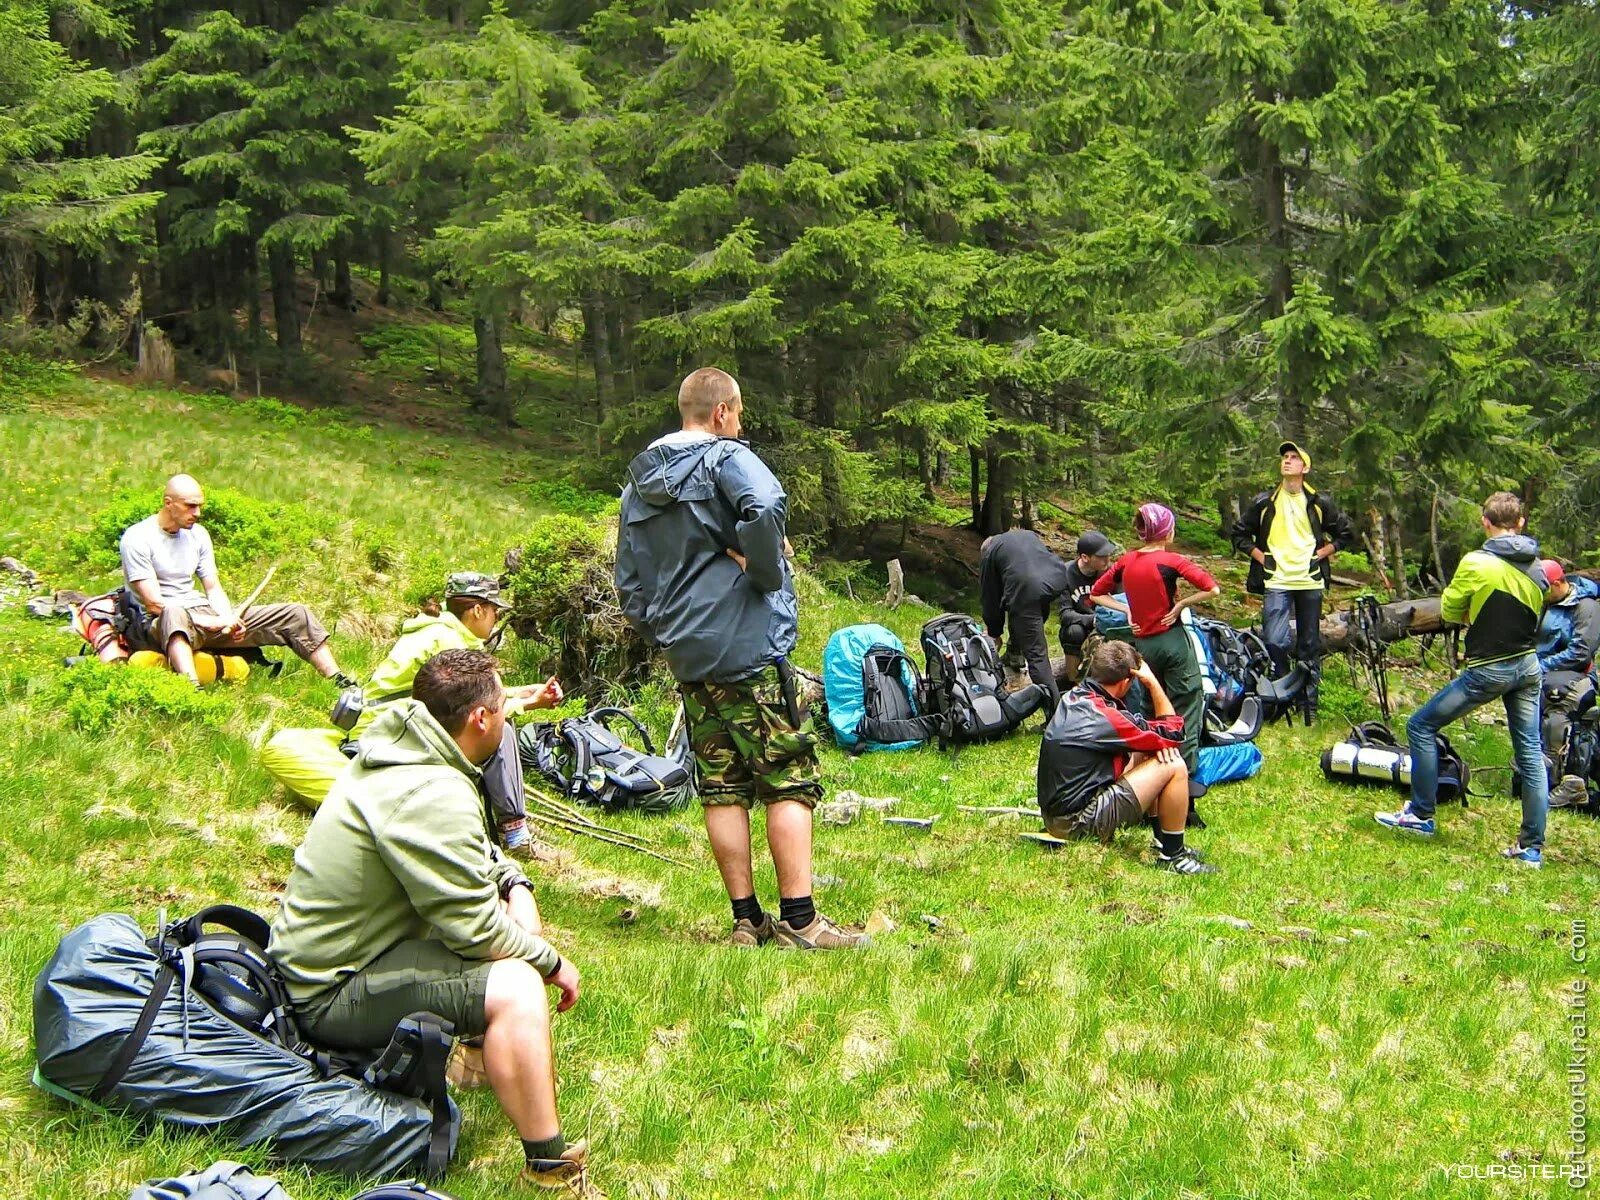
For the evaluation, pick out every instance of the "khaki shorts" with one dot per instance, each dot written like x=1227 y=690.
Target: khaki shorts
x=417 y=976
x=1112 y=808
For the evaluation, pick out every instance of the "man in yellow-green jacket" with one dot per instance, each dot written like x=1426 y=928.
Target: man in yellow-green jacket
x=306 y=761
x=1498 y=593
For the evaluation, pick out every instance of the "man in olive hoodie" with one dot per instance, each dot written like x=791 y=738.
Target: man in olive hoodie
x=1498 y=593
x=399 y=903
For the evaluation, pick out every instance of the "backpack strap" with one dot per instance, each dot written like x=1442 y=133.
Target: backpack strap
x=230 y=916
x=413 y=1064
x=134 y=1042
x=603 y=715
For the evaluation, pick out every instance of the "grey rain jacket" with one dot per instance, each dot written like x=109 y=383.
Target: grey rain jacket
x=689 y=500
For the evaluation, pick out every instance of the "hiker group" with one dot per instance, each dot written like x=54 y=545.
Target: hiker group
x=406 y=898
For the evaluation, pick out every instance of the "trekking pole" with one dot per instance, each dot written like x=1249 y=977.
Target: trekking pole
x=601 y=836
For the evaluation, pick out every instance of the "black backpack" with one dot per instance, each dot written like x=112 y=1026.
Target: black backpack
x=965 y=684
x=1373 y=754
x=591 y=764
x=891 y=713
x=196 y=1027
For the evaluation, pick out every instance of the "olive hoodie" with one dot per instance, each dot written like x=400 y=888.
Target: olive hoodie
x=399 y=850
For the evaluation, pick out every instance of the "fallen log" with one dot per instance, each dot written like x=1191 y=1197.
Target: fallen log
x=1397 y=620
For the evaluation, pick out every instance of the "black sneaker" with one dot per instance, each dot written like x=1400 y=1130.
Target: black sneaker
x=1185 y=862
x=342 y=681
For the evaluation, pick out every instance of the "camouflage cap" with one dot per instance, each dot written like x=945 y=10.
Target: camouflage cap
x=474 y=584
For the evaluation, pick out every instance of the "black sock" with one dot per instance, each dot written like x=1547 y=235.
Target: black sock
x=549 y=1148
x=1170 y=843
x=747 y=909
x=796 y=911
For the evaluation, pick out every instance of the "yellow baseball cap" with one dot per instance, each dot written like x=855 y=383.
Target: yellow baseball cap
x=1288 y=446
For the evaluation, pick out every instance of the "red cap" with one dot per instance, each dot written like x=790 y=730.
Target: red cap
x=1552 y=571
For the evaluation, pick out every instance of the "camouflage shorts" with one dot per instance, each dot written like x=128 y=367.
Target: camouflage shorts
x=745 y=747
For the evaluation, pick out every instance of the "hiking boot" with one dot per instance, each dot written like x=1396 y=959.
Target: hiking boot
x=1184 y=862
x=464 y=1069
x=821 y=934
x=749 y=934
x=1526 y=855
x=1406 y=820
x=1571 y=791
x=568 y=1174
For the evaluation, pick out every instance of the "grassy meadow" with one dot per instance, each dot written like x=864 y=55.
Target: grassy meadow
x=1340 y=1012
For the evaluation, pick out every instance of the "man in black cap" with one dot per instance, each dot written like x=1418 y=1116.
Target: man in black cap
x=1095 y=552
x=1019 y=581
x=1290 y=533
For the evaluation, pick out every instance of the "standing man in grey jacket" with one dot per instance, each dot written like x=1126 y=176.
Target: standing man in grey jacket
x=702 y=575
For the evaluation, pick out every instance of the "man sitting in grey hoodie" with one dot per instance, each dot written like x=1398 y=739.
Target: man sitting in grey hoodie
x=702 y=574
x=400 y=903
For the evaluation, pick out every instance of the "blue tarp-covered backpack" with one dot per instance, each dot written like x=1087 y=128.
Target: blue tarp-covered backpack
x=873 y=691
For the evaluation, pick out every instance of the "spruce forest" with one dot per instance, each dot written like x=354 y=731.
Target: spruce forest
x=1104 y=248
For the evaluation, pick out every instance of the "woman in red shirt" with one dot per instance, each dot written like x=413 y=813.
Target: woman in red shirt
x=1149 y=574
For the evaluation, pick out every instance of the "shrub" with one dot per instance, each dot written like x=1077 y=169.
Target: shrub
x=243 y=529
x=22 y=376
x=564 y=497
x=92 y=697
x=562 y=594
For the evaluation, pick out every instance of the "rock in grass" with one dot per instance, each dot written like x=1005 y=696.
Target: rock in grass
x=1231 y=922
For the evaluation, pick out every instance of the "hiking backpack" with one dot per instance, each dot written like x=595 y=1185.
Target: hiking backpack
x=195 y=1028
x=873 y=691
x=966 y=683
x=1372 y=754
x=592 y=765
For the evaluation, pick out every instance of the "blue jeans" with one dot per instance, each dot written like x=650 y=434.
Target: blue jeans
x=1306 y=640
x=1516 y=683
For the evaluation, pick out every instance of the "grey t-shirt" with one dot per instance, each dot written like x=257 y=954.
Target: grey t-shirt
x=171 y=559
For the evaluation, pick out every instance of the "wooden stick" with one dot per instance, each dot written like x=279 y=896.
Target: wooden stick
x=238 y=613
x=600 y=836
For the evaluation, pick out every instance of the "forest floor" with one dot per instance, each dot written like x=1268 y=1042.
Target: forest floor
x=1339 y=1012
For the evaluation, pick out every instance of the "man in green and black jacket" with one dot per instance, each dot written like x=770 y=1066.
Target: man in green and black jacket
x=1498 y=593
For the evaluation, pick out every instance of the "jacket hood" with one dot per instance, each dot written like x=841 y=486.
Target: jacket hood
x=406 y=735
x=675 y=468
x=1582 y=589
x=1517 y=548
x=447 y=619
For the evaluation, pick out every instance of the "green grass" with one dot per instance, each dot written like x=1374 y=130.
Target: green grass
x=1069 y=1025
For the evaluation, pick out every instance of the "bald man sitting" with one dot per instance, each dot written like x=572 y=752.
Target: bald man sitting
x=161 y=558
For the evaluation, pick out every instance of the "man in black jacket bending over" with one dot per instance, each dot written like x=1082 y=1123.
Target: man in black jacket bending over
x=1019 y=580
x=1290 y=533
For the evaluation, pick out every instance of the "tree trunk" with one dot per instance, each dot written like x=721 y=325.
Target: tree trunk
x=925 y=464
x=996 y=496
x=490 y=394
x=382 y=297
x=598 y=326
x=285 y=304
x=975 y=486
x=1280 y=287
x=435 y=293
x=343 y=293
x=1376 y=542
x=941 y=469
x=1396 y=542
